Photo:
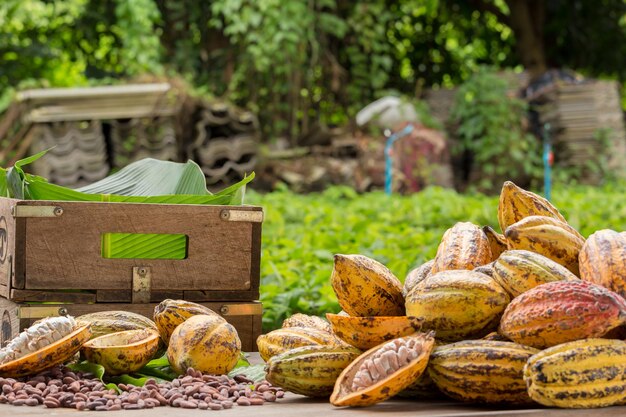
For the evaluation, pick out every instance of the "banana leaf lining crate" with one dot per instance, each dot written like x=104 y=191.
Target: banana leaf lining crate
x=53 y=262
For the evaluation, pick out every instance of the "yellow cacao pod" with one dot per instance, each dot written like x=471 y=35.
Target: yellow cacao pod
x=281 y=340
x=416 y=275
x=168 y=314
x=481 y=371
x=497 y=242
x=305 y=320
x=457 y=304
x=365 y=287
x=562 y=311
x=123 y=352
x=549 y=237
x=106 y=322
x=586 y=373
x=204 y=343
x=463 y=246
x=603 y=260
x=310 y=370
x=383 y=371
x=518 y=271
x=517 y=203
x=366 y=332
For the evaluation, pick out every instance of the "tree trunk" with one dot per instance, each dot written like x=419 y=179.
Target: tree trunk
x=527 y=19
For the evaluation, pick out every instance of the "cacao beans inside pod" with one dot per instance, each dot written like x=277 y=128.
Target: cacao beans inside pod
x=517 y=271
x=517 y=203
x=366 y=332
x=587 y=373
x=463 y=246
x=416 y=275
x=562 y=311
x=205 y=343
x=603 y=260
x=549 y=237
x=168 y=314
x=383 y=371
x=33 y=360
x=123 y=352
x=305 y=320
x=457 y=304
x=365 y=287
x=284 y=339
x=310 y=370
x=481 y=371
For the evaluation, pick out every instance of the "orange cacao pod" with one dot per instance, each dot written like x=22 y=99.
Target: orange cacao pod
x=463 y=246
x=602 y=260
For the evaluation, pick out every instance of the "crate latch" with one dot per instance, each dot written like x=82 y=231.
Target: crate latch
x=241 y=309
x=142 y=278
x=241 y=216
x=36 y=211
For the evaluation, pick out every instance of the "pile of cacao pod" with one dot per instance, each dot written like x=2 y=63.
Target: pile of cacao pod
x=536 y=314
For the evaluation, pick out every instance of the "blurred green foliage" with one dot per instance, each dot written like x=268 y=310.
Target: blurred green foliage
x=301 y=233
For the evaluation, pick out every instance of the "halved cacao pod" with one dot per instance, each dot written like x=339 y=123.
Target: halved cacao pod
x=457 y=304
x=562 y=311
x=586 y=373
x=518 y=271
x=497 y=242
x=106 y=322
x=383 y=371
x=517 y=203
x=366 y=332
x=168 y=314
x=305 y=320
x=205 y=343
x=463 y=246
x=123 y=352
x=603 y=260
x=549 y=237
x=365 y=287
x=51 y=355
x=482 y=371
x=416 y=275
x=281 y=340
x=310 y=370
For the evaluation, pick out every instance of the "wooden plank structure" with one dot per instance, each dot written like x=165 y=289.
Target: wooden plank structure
x=51 y=252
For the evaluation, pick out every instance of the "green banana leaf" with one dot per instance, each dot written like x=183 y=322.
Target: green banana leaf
x=148 y=181
x=93 y=368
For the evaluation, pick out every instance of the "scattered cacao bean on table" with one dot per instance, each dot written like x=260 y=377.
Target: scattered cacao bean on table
x=60 y=387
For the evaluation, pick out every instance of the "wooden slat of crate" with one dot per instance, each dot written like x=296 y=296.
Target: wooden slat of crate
x=8 y=238
x=246 y=317
x=64 y=252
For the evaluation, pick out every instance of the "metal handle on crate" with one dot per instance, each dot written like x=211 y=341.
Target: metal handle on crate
x=36 y=211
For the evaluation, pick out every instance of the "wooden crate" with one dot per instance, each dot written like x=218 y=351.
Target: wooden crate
x=50 y=251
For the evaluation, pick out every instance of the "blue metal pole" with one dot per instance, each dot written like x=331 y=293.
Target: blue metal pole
x=547 y=161
x=388 y=161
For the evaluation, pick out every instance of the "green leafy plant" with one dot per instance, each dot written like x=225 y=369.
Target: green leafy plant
x=490 y=131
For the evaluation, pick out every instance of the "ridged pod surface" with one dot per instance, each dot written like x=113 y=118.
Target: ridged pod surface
x=168 y=314
x=281 y=340
x=305 y=320
x=463 y=246
x=518 y=271
x=562 y=311
x=423 y=388
x=383 y=371
x=602 y=260
x=497 y=242
x=365 y=287
x=204 y=343
x=457 y=304
x=106 y=322
x=310 y=370
x=48 y=356
x=549 y=237
x=482 y=371
x=416 y=275
x=122 y=352
x=366 y=332
x=517 y=203
x=486 y=269
x=586 y=373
